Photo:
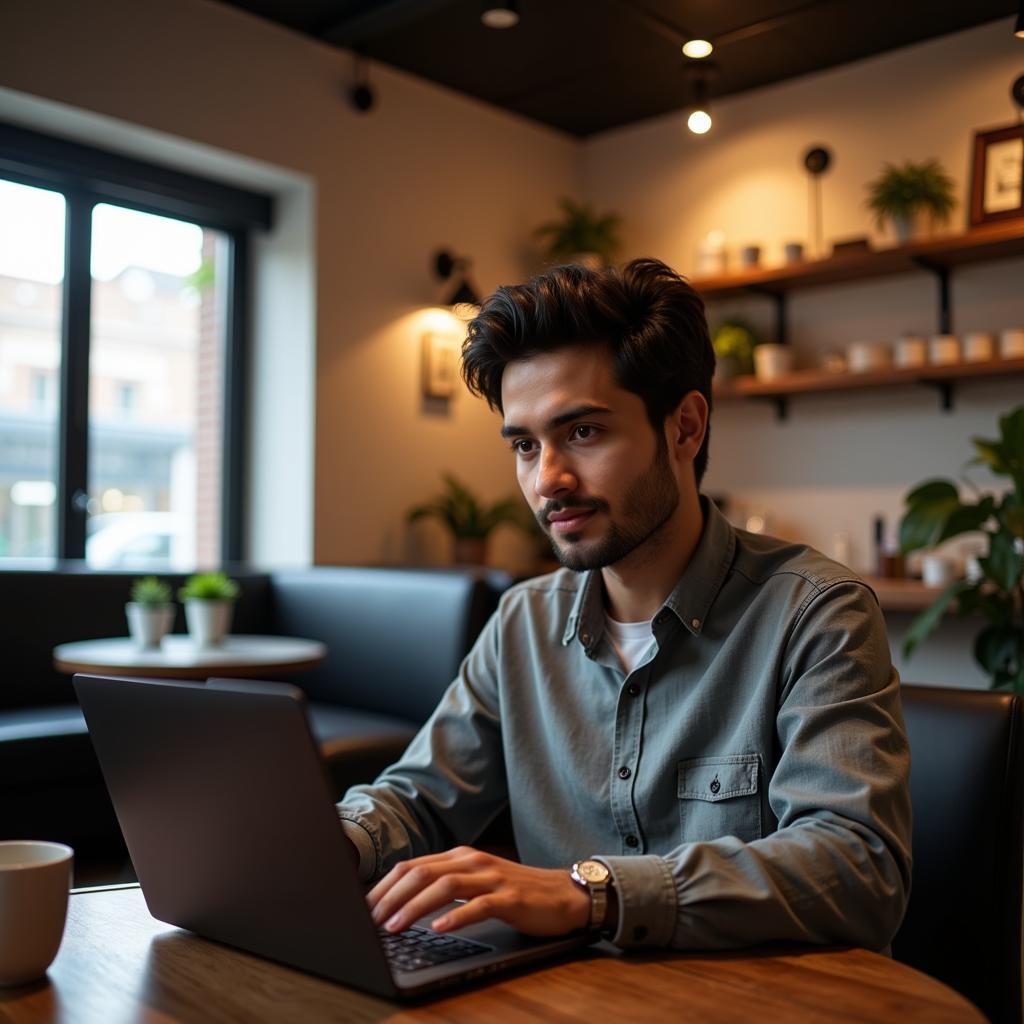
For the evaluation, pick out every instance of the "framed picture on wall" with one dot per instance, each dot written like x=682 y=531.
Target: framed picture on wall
x=440 y=364
x=997 y=180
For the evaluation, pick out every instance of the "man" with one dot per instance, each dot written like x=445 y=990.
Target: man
x=697 y=730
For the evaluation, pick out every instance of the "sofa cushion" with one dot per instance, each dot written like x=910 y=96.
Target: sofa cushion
x=395 y=637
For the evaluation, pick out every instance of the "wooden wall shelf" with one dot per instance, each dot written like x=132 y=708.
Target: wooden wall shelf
x=902 y=595
x=937 y=256
x=990 y=242
x=817 y=382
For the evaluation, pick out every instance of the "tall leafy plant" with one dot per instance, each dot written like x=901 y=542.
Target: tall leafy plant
x=580 y=231
x=936 y=512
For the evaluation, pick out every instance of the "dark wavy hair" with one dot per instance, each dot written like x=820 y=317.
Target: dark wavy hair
x=648 y=315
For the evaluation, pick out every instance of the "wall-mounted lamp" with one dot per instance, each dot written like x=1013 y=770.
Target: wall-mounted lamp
x=500 y=15
x=446 y=267
x=697 y=49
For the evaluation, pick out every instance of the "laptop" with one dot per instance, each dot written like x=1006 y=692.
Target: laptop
x=227 y=813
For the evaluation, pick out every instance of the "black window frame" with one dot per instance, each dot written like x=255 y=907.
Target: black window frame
x=87 y=176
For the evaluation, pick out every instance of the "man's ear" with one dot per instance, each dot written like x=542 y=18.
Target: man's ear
x=687 y=424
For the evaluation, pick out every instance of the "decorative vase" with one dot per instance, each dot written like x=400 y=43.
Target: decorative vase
x=470 y=550
x=208 y=621
x=772 y=361
x=148 y=624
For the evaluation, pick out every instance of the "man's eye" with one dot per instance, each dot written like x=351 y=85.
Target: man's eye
x=522 y=446
x=584 y=432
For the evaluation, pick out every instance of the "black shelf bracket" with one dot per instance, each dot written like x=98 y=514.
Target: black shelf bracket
x=946 y=391
x=942 y=280
x=781 y=403
x=781 y=319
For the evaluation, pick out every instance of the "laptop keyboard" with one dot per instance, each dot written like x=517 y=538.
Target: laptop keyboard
x=417 y=948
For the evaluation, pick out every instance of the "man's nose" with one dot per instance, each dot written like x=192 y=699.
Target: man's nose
x=554 y=475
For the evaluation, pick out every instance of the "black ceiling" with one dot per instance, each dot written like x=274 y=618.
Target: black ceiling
x=588 y=65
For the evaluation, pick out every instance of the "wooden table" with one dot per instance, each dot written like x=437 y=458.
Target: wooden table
x=179 y=657
x=119 y=964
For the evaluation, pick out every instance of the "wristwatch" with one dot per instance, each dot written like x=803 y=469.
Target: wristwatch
x=593 y=876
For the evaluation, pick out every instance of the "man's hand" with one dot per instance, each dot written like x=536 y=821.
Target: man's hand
x=538 y=901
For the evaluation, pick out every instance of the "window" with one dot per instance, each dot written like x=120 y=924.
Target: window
x=122 y=300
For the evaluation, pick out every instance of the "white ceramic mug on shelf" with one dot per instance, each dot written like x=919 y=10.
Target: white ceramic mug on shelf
x=1011 y=343
x=937 y=570
x=35 y=878
x=865 y=356
x=979 y=347
x=772 y=361
x=911 y=351
x=944 y=350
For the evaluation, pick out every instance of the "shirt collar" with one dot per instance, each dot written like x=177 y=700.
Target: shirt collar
x=690 y=600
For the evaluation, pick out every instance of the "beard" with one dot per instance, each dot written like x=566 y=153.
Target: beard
x=649 y=503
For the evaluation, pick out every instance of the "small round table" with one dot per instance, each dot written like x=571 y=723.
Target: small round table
x=178 y=657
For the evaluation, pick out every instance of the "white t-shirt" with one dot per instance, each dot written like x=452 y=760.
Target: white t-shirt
x=630 y=640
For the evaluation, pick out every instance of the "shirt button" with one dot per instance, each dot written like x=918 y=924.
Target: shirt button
x=633 y=690
x=624 y=773
x=585 y=637
x=715 y=786
x=632 y=842
x=639 y=933
x=695 y=623
x=663 y=617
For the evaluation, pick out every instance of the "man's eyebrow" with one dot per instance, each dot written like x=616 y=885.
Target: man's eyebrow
x=580 y=411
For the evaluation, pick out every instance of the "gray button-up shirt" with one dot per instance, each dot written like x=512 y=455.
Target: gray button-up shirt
x=746 y=782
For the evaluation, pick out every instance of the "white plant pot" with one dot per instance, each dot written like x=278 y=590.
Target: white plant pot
x=208 y=621
x=148 y=624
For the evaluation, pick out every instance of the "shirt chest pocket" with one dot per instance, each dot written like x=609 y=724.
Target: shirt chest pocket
x=720 y=796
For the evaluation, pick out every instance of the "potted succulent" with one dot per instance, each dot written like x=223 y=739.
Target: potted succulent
x=936 y=512
x=469 y=520
x=914 y=197
x=150 y=611
x=209 y=599
x=733 y=343
x=581 y=236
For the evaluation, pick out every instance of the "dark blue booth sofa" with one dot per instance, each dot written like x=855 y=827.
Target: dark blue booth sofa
x=395 y=639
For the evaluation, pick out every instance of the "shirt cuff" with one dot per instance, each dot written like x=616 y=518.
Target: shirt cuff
x=648 y=903
x=363 y=842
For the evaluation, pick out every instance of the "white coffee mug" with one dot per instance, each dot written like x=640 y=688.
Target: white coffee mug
x=911 y=351
x=937 y=570
x=772 y=361
x=1011 y=343
x=864 y=356
x=35 y=877
x=979 y=347
x=944 y=349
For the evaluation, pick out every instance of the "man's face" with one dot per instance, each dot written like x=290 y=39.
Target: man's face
x=595 y=473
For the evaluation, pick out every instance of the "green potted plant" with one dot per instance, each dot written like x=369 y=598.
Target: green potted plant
x=581 y=236
x=149 y=611
x=914 y=197
x=469 y=520
x=733 y=342
x=209 y=599
x=936 y=512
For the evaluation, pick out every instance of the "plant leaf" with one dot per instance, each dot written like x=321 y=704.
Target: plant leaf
x=923 y=625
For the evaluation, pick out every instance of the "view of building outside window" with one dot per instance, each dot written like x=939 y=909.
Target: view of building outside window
x=155 y=389
x=31 y=286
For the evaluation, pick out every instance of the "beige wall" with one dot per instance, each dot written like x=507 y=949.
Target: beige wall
x=838 y=460
x=427 y=168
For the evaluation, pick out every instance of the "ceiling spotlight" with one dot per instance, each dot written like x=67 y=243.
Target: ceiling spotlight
x=498 y=15
x=1018 y=28
x=697 y=48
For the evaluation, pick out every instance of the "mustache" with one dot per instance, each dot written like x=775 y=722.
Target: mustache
x=560 y=506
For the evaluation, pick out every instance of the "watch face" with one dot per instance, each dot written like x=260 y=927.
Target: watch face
x=592 y=871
